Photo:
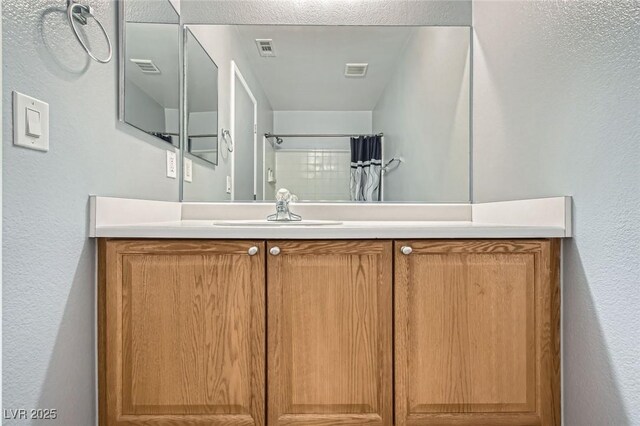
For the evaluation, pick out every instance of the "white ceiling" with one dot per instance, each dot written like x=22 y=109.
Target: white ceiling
x=158 y=42
x=307 y=73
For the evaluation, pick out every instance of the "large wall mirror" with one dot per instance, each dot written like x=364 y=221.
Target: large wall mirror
x=150 y=67
x=332 y=113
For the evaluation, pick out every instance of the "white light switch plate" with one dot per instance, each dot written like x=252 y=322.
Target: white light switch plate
x=32 y=134
x=172 y=164
x=188 y=170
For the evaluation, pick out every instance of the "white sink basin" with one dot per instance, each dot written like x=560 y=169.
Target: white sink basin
x=265 y=222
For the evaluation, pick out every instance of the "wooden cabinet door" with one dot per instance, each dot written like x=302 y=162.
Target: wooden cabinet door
x=477 y=333
x=329 y=344
x=182 y=333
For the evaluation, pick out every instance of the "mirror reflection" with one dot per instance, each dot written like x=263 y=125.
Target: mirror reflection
x=150 y=100
x=340 y=113
x=202 y=101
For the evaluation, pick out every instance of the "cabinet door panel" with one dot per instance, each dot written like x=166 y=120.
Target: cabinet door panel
x=474 y=335
x=329 y=347
x=185 y=334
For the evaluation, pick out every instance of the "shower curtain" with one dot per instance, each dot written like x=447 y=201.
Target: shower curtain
x=366 y=168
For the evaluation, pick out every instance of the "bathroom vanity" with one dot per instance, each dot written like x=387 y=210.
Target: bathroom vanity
x=449 y=320
x=394 y=301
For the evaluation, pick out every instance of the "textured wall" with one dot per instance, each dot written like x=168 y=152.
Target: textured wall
x=424 y=114
x=154 y=11
x=556 y=112
x=327 y=12
x=49 y=287
x=1 y=169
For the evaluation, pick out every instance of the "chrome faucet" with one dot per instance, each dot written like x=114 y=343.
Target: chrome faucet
x=283 y=214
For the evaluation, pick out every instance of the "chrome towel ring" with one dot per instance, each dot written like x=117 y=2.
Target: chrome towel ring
x=226 y=137
x=77 y=12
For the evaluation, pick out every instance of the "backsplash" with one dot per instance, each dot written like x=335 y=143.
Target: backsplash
x=314 y=174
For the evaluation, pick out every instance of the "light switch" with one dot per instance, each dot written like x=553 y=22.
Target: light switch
x=188 y=170
x=34 y=127
x=30 y=122
x=172 y=161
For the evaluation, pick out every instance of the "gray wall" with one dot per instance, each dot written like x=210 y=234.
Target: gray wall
x=1 y=166
x=424 y=114
x=155 y=11
x=142 y=111
x=557 y=112
x=327 y=12
x=49 y=286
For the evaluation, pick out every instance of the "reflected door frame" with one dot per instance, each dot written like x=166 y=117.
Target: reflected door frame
x=235 y=72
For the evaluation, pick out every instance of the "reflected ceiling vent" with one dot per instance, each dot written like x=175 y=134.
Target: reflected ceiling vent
x=265 y=47
x=355 y=70
x=146 y=66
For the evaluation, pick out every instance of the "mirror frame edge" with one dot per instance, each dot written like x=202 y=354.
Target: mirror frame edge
x=121 y=60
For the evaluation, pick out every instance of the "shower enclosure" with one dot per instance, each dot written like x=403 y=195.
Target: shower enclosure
x=314 y=167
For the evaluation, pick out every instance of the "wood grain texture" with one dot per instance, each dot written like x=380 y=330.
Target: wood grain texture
x=102 y=334
x=476 y=333
x=550 y=395
x=471 y=327
x=471 y=349
x=184 y=333
x=330 y=333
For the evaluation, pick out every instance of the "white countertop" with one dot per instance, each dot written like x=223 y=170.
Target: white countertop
x=347 y=230
x=542 y=218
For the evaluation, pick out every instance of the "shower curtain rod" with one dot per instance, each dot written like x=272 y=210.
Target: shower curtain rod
x=319 y=135
x=207 y=135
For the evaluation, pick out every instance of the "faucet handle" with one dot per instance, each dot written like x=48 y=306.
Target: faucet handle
x=283 y=194
x=283 y=197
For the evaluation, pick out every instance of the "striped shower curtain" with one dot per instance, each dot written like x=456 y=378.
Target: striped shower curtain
x=366 y=168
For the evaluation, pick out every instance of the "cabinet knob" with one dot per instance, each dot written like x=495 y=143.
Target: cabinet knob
x=275 y=251
x=252 y=251
x=406 y=250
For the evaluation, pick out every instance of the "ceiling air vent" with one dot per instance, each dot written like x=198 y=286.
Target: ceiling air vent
x=265 y=47
x=355 y=70
x=146 y=66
